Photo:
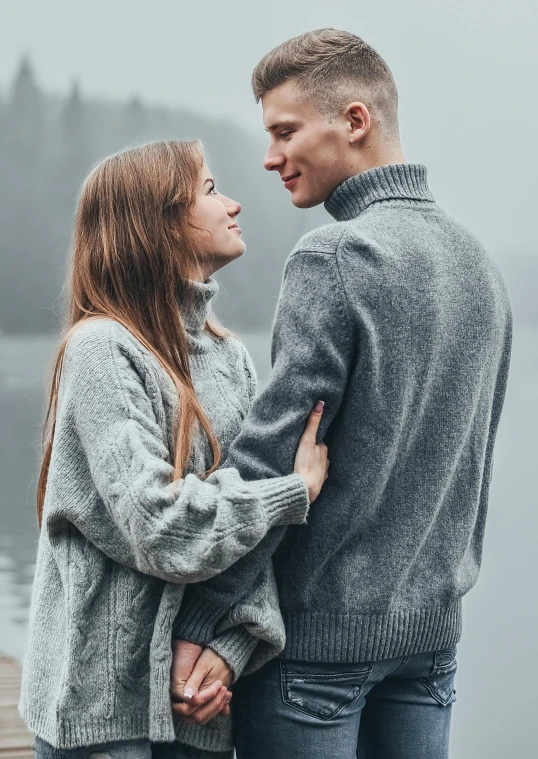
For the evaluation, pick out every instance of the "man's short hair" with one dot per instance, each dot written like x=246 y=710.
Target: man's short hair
x=333 y=68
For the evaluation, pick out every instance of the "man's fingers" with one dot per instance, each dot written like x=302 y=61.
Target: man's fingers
x=206 y=694
x=185 y=655
x=314 y=420
x=211 y=708
x=182 y=708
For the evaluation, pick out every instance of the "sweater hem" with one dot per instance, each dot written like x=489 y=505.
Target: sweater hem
x=344 y=638
x=68 y=734
x=71 y=734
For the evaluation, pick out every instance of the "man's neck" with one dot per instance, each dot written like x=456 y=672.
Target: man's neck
x=371 y=156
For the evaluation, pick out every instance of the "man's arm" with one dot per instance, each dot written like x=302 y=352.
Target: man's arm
x=312 y=350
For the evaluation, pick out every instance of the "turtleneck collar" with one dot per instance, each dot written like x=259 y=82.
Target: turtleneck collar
x=402 y=181
x=195 y=317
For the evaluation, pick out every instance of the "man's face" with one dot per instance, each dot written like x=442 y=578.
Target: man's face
x=311 y=154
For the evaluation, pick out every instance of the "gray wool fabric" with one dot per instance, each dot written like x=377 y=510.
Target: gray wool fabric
x=399 y=320
x=119 y=539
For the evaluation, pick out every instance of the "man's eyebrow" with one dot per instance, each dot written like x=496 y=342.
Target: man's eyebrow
x=279 y=125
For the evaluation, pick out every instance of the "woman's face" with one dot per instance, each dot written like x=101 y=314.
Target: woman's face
x=215 y=215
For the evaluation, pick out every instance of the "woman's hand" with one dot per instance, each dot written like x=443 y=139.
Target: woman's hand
x=311 y=460
x=199 y=685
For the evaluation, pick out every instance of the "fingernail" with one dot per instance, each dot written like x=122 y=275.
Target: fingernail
x=188 y=693
x=318 y=408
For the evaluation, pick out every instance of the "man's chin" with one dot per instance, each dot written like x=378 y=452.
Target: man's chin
x=301 y=201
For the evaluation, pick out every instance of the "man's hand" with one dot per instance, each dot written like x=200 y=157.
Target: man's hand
x=199 y=683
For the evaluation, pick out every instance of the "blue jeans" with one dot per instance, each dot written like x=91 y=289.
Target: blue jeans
x=391 y=709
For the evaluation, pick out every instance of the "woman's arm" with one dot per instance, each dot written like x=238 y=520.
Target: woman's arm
x=183 y=531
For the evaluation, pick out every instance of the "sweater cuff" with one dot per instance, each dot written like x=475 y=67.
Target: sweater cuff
x=286 y=502
x=285 y=499
x=235 y=647
x=197 y=619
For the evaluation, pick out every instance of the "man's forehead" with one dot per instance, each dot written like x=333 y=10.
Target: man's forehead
x=284 y=104
x=279 y=109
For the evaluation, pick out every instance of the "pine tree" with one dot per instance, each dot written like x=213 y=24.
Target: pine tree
x=25 y=116
x=75 y=142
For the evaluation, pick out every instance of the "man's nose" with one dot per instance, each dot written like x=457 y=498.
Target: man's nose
x=272 y=160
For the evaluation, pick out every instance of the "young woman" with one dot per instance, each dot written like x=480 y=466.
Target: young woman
x=148 y=393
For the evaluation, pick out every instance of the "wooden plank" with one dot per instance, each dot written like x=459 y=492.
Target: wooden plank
x=15 y=740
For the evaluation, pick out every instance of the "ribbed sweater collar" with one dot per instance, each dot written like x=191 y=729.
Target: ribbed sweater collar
x=403 y=181
x=196 y=315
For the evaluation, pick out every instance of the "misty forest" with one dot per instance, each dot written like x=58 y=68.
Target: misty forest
x=47 y=146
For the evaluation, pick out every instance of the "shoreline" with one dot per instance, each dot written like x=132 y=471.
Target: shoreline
x=15 y=739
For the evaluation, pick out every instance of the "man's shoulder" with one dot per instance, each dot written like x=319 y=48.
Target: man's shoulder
x=325 y=239
x=329 y=238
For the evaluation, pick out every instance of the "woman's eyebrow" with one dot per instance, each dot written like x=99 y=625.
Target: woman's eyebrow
x=209 y=180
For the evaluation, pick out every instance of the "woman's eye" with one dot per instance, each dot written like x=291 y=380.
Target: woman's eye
x=213 y=190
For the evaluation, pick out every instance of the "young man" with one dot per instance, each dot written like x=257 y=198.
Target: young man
x=397 y=317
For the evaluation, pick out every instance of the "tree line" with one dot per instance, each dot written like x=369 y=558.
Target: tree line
x=48 y=143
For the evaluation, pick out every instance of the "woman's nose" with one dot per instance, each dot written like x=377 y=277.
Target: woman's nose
x=234 y=209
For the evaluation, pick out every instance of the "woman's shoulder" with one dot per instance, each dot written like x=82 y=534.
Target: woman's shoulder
x=102 y=349
x=98 y=335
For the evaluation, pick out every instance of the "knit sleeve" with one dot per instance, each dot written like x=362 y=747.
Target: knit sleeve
x=252 y=632
x=250 y=374
x=312 y=351
x=182 y=531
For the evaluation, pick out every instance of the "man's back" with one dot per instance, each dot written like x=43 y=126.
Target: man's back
x=398 y=319
x=395 y=537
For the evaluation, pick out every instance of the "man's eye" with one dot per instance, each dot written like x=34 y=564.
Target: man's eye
x=285 y=135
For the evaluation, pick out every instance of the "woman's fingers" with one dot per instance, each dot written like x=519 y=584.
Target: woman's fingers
x=314 y=420
x=213 y=707
x=186 y=708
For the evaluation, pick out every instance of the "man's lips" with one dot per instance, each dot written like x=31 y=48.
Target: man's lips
x=290 y=178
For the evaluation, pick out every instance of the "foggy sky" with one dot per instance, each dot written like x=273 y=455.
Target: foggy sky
x=465 y=73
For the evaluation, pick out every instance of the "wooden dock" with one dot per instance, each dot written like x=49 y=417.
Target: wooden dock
x=15 y=740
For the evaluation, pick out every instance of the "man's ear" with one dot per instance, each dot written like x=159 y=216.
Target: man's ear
x=358 y=120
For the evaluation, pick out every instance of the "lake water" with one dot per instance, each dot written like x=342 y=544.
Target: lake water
x=494 y=716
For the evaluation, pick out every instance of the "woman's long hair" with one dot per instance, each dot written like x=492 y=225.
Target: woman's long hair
x=134 y=254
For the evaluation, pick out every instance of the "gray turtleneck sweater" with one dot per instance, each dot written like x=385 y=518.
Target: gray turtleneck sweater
x=120 y=539
x=398 y=318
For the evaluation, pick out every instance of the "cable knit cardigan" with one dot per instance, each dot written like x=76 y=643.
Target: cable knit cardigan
x=120 y=539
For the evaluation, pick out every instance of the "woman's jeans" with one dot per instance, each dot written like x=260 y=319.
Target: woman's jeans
x=391 y=709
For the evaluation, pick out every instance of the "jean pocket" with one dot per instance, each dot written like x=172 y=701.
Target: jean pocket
x=322 y=690
x=440 y=681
